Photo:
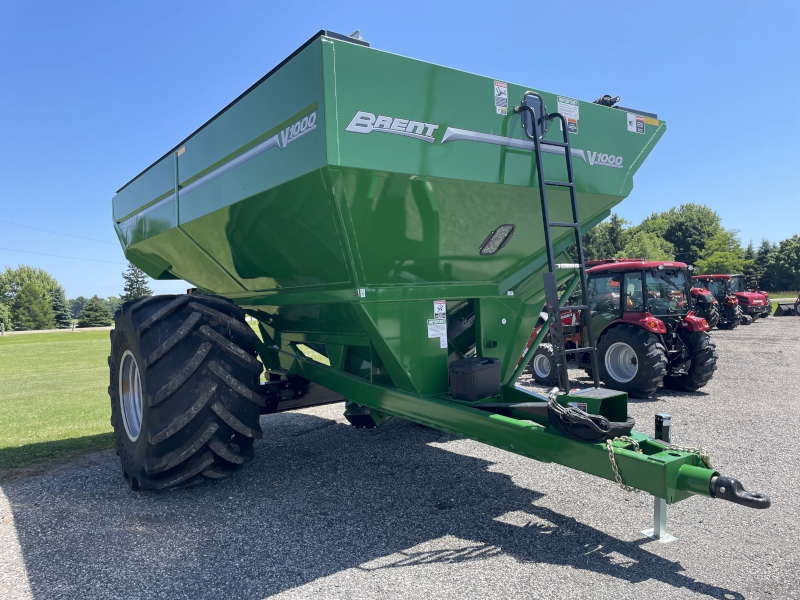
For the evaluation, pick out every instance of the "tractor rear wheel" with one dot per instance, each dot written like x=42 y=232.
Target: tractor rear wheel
x=543 y=366
x=735 y=321
x=184 y=399
x=712 y=317
x=632 y=360
x=704 y=362
x=797 y=308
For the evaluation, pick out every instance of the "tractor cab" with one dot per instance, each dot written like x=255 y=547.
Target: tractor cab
x=638 y=290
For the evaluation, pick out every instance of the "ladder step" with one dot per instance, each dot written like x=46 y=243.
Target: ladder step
x=572 y=225
x=569 y=351
x=557 y=144
x=559 y=183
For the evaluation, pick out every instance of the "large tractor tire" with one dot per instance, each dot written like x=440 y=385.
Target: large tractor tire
x=632 y=360
x=184 y=381
x=712 y=317
x=704 y=363
x=735 y=322
x=797 y=308
x=543 y=367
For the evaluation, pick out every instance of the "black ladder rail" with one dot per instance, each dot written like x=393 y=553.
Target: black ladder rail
x=550 y=280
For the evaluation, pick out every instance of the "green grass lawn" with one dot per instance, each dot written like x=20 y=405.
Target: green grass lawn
x=53 y=396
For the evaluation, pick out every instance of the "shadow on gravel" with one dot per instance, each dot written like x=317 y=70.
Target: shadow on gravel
x=309 y=506
x=18 y=457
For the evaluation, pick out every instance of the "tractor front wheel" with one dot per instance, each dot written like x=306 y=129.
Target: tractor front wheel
x=632 y=360
x=543 y=366
x=703 y=363
x=184 y=399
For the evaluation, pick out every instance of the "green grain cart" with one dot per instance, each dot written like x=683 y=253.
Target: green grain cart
x=383 y=220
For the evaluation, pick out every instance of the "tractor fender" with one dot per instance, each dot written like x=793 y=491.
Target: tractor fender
x=694 y=323
x=643 y=320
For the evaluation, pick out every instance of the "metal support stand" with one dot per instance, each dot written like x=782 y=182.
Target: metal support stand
x=659 y=530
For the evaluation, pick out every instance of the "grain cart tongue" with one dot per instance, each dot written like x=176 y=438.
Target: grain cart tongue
x=382 y=219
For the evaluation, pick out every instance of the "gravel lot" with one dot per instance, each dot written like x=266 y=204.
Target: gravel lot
x=328 y=511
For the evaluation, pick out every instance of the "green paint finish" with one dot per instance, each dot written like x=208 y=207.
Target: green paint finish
x=342 y=195
x=658 y=471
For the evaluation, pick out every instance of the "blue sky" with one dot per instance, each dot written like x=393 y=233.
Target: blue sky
x=93 y=92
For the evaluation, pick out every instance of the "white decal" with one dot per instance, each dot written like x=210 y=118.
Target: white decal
x=437 y=328
x=299 y=129
x=635 y=123
x=569 y=108
x=439 y=309
x=501 y=98
x=605 y=160
x=367 y=122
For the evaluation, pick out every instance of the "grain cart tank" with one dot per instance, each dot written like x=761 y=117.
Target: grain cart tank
x=384 y=213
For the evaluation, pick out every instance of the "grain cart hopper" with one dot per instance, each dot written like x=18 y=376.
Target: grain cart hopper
x=385 y=213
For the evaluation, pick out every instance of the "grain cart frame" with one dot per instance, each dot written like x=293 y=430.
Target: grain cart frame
x=384 y=212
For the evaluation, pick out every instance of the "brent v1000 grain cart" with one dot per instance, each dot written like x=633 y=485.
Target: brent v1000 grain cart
x=387 y=213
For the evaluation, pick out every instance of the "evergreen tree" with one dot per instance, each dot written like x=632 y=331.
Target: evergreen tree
x=31 y=308
x=61 y=312
x=135 y=284
x=113 y=303
x=95 y=313
x=76 y=306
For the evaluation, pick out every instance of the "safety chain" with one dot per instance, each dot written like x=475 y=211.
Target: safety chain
x=611 y=457
x=702 y=453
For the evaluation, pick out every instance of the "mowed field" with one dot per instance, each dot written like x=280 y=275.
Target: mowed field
x=53 y=398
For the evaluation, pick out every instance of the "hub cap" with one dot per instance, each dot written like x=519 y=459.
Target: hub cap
x=541 y=366
x=130 y=395
x=621 y=362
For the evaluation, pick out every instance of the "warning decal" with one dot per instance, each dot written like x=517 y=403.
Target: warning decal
x=437 y=328
x=635 y=123
x=572 y=125
x=439 y=309
x=569 y=108
x=501 y=98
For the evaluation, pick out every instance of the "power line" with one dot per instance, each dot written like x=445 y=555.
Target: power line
x=110 y=262
x=80 y=237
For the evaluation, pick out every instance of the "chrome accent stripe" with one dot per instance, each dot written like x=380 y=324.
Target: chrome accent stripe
x=232 y=164
x=454 y=135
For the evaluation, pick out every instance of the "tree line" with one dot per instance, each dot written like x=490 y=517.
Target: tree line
x=31 y=298
x=693 y=234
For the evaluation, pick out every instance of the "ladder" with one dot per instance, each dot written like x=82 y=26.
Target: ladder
x=552 y=299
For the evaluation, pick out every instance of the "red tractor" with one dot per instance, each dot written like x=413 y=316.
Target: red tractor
x=719 y=286
x=753 y=303
x=647 y=334
x=705 y=305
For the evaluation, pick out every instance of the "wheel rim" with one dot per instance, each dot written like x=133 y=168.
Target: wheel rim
x=541 y=366
x=130 y=395
x=621 y=362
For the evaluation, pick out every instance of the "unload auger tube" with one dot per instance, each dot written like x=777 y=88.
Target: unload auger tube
x=384 y=212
